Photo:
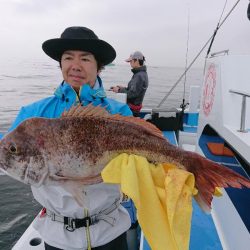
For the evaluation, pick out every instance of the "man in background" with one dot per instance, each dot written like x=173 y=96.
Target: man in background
x=138 y=84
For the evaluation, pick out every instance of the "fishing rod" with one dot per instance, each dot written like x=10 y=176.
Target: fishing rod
x=212 y=40
x=190 y=65
x=184 y=104
x=215 y=32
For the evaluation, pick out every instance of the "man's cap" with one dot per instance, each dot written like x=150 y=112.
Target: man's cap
x=136 y=55
x=79 y=38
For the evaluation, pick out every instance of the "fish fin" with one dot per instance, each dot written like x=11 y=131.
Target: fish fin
x=83 y=180
x=55 y=177
x=76 y=189
x=89 y=110
x=149 y=127
x=209 y=175
x=98 y=111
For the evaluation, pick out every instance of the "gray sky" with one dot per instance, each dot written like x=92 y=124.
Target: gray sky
x=156 y=27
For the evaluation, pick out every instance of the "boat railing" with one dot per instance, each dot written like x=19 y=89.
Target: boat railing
x=158 y=110
x=219 y=53
x=243 y=109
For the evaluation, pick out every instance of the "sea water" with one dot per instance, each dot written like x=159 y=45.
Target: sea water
x=23 y=82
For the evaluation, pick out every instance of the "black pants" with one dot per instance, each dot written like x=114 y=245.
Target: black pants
x=118 y=243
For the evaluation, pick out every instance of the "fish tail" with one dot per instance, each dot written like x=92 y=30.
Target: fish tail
x=209 y=175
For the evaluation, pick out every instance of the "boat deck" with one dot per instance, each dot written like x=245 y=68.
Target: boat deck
x=239 y=197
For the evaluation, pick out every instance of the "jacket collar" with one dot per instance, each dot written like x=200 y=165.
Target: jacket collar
x=142 y=68
x=87 y=94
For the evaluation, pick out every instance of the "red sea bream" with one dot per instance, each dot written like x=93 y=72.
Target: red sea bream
x=77 y=146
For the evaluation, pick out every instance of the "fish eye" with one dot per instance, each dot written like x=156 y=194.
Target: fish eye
x=13 y=149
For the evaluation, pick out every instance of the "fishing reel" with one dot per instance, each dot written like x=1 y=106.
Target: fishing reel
x=184 y=105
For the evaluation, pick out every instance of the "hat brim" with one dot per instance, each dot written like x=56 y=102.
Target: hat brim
x=129 y=59
x=102 y=51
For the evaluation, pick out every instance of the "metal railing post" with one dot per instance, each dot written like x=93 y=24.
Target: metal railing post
x=243 y=115
x=243 y=109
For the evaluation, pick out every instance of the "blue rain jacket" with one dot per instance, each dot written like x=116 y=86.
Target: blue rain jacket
x=64 y=97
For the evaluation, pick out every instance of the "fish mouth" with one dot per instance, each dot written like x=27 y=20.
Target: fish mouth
x=18 y=174
x=19 y=177
x=3 y=166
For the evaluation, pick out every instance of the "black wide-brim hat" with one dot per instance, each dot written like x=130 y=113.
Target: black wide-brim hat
x=79 y=38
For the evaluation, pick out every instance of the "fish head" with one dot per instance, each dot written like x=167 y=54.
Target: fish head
x=21 y=156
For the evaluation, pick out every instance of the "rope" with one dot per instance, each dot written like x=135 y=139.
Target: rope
x=87 y=230
x=177 y=82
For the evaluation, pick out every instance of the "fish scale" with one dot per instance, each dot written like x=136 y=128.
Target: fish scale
x=77 y=146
